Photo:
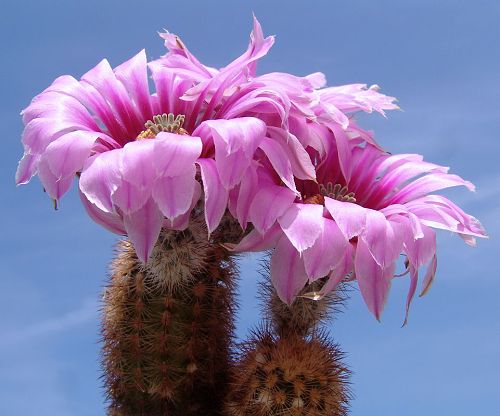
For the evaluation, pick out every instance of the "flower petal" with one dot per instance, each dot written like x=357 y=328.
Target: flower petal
x=374 y=280
x=255 y=241
x=270 y=202
x=173 y=195
x=216 y=195
x=175 y=154
x=350 y=218
x=235 y=144
x=287 y=271
x=110 y=221
x=429 y=276
x=143 y=228
x=302 y=224
x=279 y=161
x=100 y=178
x=327 y=252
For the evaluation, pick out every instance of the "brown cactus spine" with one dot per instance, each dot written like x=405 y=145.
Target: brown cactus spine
x=290 y=367
x=167 y=326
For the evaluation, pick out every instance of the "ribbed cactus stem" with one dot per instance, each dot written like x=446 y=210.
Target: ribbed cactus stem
x=288 y=375
x=290 y=367
x=167 y=327
x=305 y=314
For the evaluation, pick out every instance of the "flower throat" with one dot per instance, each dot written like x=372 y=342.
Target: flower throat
x=163 y=123
x=337 y=191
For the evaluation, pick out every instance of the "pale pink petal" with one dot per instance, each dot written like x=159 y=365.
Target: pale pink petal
x=317 y=80
x=255 y=241
x=173 y=195
x=67 y=154
x=246 y=194
x=235 y=144
x=411 y=291
x=100 y=178
x=182 y=221
x=421 y=250
x=216 y=195
x=326 y=253
x=110 y=221
x=104 y=80
x=302 y=224
x=258 y=47
x=287 y=271
x=374 y=280
x=427 y=184
x=26 y=168
x=340 y=272
x=129 y=197
x=143 y=228
x=300 y=160
x=350 y=218
x=429 y=276
x=54 y=186
x=270 y=202
x=279 y=161
x=383 y=238
x=134 y=76
x=174 y=154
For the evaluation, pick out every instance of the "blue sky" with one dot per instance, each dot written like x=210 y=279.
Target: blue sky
x=442 y=61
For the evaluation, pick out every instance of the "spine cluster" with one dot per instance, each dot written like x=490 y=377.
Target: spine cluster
x=290 y=367
x=167 y=327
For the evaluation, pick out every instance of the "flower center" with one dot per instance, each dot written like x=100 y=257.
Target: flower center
x=337 y=191
x=163 y=122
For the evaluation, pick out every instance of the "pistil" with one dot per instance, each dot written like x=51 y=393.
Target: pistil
x=337 y=191
x=163 y=123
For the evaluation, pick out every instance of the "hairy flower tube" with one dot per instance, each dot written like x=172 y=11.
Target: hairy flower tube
x=354 y=222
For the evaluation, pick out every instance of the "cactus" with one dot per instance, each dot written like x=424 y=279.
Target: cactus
x=290 y=367
x=167 y=325
x=305 y=315
x=288 y=375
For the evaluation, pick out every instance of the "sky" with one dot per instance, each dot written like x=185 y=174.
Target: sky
x=440 y=59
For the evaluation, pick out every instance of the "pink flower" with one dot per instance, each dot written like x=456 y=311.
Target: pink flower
x=358 y=219
x=140 y=157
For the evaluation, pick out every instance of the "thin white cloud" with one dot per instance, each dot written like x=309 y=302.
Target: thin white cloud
x=85 y=313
